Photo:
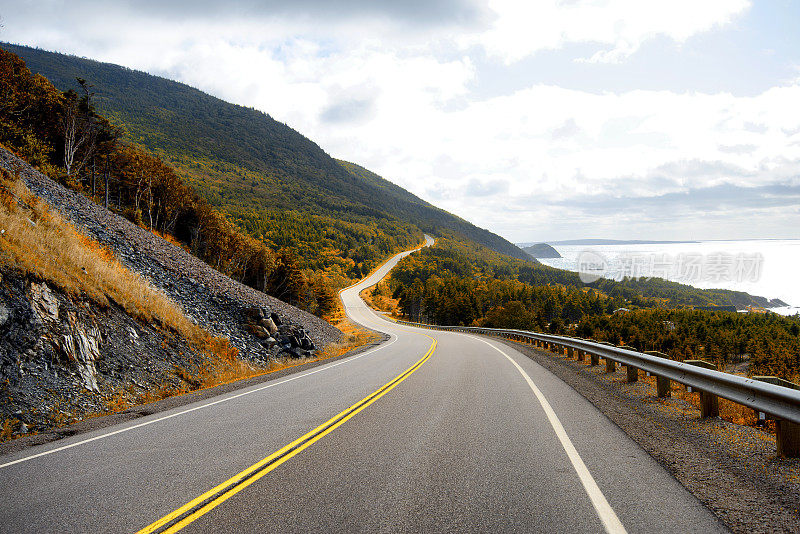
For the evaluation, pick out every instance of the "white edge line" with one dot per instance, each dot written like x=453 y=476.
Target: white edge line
x=607 y=515
x=207 y=405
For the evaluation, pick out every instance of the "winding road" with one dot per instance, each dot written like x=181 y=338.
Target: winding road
x=428 y=432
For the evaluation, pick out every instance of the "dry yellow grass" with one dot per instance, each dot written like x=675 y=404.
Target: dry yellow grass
x=8 y=428
x=37 y=241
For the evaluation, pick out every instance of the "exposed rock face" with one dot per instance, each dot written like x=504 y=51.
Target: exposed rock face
x=62 y=357
x=292 y=340
x=81 y=345
x=43 y=301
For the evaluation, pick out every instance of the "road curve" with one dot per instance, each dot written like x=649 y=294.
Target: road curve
x=429 y=432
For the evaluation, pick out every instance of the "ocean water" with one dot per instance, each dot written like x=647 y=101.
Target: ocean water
x=764 y=267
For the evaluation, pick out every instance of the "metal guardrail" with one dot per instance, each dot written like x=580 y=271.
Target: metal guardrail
x=782 y=403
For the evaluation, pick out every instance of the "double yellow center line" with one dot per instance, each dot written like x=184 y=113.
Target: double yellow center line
x=193 y=510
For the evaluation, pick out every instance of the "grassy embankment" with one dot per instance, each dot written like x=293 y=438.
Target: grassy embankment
x=37 y=242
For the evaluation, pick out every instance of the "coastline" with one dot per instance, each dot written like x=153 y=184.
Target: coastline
x=777 y=257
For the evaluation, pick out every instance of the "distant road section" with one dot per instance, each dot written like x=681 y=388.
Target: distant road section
x=430 y=432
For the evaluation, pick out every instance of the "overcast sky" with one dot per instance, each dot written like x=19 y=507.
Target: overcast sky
x=539 y=120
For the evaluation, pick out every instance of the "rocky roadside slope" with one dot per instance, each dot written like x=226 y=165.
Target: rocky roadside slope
x=217 y=303
x=61 y=357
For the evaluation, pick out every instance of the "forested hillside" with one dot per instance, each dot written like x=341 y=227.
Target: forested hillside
x=275 y=183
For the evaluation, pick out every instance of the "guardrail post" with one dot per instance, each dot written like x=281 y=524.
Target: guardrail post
x=787 y=437
x=787 y=434
x=633 y=372
x=663 y=387
x=663 y=384
x=709 y=404
x=611 y=365
x=581 y=355
x=594 y=359
x=570 y=352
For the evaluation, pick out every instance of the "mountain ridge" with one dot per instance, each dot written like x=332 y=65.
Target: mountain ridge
x=266 y=168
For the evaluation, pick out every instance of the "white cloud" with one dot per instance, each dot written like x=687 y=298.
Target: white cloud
x=618 y=26
x=400 y=102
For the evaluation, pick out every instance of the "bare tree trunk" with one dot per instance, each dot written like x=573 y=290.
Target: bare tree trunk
x=158 y=214
x=94 y=181
x=74 y=135
x=150 y=199
x=69 y=138
x=107 y=180
x=169 y=224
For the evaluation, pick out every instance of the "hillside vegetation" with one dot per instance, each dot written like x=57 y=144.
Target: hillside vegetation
x=41 y=123
x=63 y=297
x=276 y=184
x=36 y=241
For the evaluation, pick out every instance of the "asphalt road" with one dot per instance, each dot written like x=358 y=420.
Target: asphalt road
x=429 y=432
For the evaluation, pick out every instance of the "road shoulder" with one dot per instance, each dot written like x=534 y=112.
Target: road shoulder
x=733 y=470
